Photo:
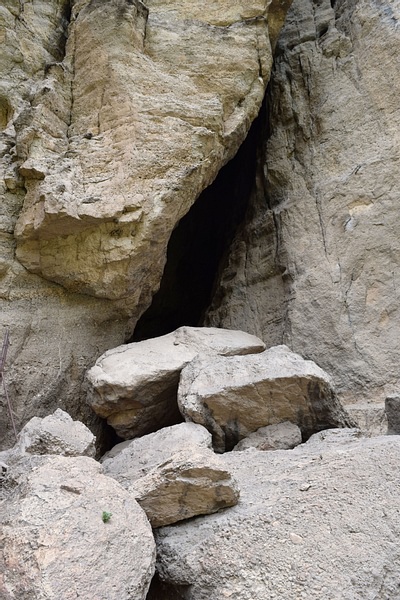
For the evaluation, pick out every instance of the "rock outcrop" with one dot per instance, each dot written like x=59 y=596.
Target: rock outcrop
x=135 y=386
x=235 y=396
x=317 y=265
x=320 y=521
x=107 y=136
x=57 y=543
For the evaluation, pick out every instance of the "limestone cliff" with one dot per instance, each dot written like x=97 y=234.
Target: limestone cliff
x=316 y=266
x=114 y=117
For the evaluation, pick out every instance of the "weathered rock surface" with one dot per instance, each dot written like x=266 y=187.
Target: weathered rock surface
x=283 y=436
x=191 y=483
x=320 y=521
x=132 y=459
x=173 y=474
x=55 y=543
x=107 y=136
x=392 y=410
x=317 y=265
x=56 y=434
x=134 y=386
x=235 y=396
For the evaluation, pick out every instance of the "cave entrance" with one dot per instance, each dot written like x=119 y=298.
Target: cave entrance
x=199 y=244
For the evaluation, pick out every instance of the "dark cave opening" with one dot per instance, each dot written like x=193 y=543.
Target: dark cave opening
x=199 y=243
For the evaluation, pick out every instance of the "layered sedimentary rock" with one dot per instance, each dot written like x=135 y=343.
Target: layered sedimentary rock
x=317 y=265
x=113 y=118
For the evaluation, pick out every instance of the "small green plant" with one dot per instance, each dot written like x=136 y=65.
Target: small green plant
x=106 y=516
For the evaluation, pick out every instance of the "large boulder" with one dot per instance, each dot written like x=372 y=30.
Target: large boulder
x=234 y=396
x=135 y=386
x=173 y=474
x=58 y=539
x=282 y=436
x=320 y=521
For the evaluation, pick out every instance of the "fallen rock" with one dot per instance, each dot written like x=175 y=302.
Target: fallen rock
x=319 y=521
x=56 y=434
x=67 y=531
x=187 y=485
x=132 y=459
x=283 y=436
x=135 y=386
x=234 y=396
x=172 y=473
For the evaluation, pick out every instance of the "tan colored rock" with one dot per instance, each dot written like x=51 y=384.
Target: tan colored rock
x=134 y=386
x=130 y=460
x=55 y=543
x=123 y=136
x=191 y=483
x=234 y=396
x=282 y=436
x=317 y=266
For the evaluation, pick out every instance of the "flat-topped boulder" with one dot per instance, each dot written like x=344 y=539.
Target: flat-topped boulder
x=234 y=396
x=135 y=385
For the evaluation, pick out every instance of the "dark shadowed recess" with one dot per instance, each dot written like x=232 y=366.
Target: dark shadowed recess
x=200 y=242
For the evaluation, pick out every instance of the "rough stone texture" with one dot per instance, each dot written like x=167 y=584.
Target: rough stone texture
x=317 y=266
x=283 y=436
x=191 y=483
x=55 y=543
x=370 y=417
x=320 y=521
x=122 y=137
x=56 y=434
x=134 y=386
x=132 y=459
x=234 y=396
x=107 y=135
x=392 y=410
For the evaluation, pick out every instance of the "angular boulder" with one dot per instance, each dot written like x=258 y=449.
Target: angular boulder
x=316 y=522
x=173 y=474
x=135 y=386
x=56 y=434
x=67 y=531
x=283 y=436
x=234 y=396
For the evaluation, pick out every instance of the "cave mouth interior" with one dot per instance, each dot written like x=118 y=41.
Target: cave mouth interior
x=200 y=243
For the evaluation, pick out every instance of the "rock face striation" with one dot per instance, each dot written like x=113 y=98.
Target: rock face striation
x=317 y=264
x=114 y=116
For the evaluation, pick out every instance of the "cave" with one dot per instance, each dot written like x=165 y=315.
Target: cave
x=200 y=243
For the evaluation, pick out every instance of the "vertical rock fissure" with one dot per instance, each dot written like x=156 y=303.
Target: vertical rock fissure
x=199 y=243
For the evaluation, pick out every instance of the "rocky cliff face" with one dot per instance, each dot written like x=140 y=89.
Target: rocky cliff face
x=316 y=266
x=114 y=117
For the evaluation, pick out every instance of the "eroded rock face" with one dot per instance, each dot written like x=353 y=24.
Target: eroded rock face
x=235 y=396
x=107 y=136
x=127 y=132
x=135 y=386
x=55 y=543
x=319 y=521
x=317 y=266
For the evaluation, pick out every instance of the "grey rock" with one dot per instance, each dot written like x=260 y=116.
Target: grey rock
x=55 y=543
x=134 y=386
x=319 y=521
x=235 y=396
x=392 y=409
x=282 y=436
